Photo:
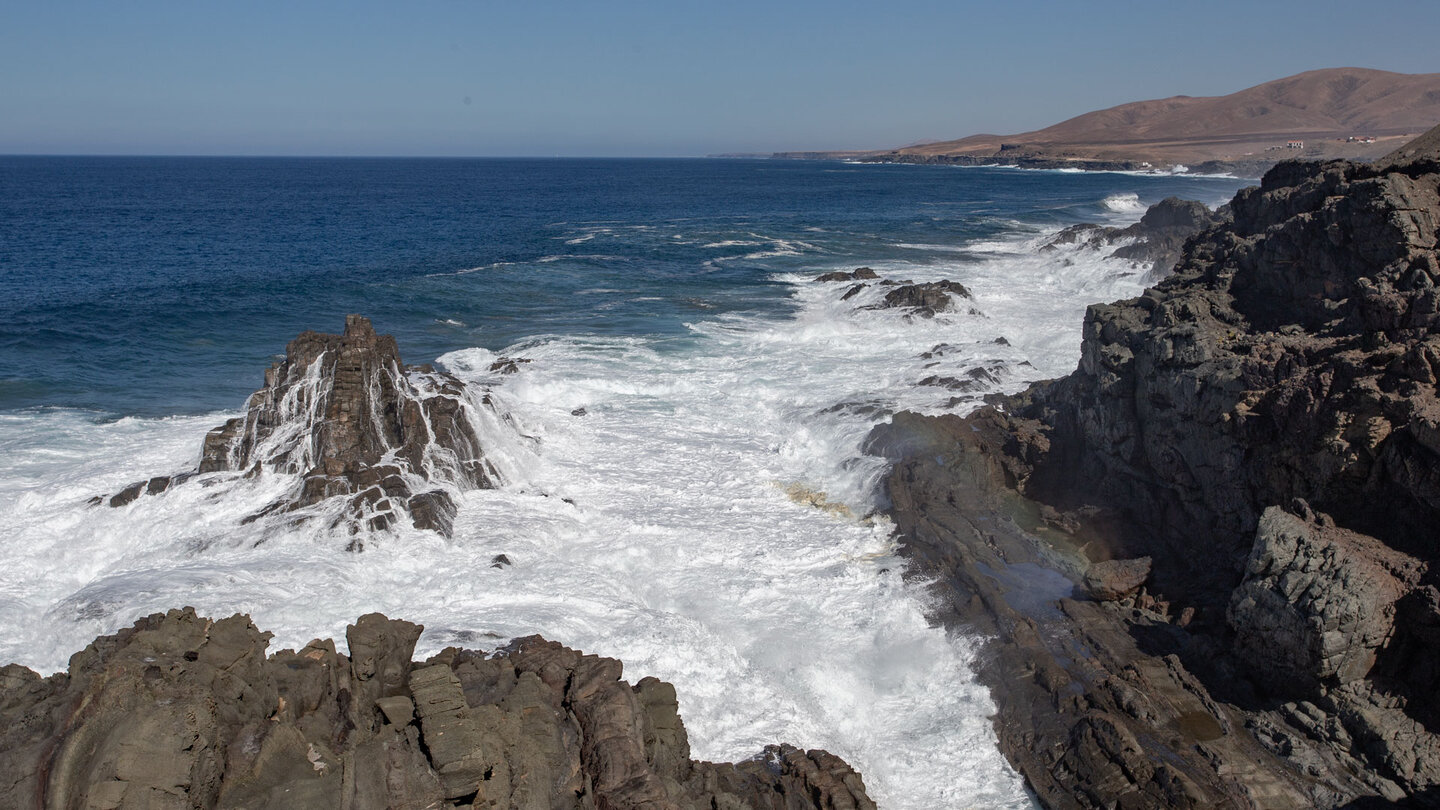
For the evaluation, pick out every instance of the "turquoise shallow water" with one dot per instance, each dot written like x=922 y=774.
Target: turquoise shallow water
x=155 y=286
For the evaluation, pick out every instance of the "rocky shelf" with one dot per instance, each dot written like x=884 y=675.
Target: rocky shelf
x=180 y=711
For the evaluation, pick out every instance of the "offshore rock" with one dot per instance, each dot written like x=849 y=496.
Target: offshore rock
x=181 y=711
x=1291 y=360
x=926 y=299
x=1156 y=240
x=1318 y=602
x=858 y=274
x=344 y=414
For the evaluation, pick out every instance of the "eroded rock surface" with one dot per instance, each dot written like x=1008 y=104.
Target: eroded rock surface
x=1263 y=425
x=184 y=712
x=344 y=414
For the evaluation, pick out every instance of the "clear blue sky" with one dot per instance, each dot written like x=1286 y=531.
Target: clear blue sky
x=531 y=77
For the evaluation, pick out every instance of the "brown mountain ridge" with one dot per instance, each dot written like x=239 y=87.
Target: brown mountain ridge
x=1320 y=114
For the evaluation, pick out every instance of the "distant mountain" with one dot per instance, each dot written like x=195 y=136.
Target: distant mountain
x=1330 y=113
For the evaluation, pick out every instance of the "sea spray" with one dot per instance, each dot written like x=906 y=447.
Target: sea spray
x=649 y=468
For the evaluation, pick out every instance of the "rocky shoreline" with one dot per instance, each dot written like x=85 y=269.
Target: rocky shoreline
x=1206 y=556
x=180 y=711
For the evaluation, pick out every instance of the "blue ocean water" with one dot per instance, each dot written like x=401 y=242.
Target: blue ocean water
x=681 y=481
x=153 y=286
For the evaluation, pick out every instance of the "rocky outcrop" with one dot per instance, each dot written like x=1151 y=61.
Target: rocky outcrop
x=357 y=427
x=858 y=274
x=1099 y=703
x=181 y=711
x=925 y=300
x=1155 y=241
x=1291 y=361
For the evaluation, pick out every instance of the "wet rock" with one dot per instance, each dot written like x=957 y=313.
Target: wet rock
x=182 y=711
x=507 y=365
x=925 y=300
x=858 y=274
x=1317 y=602
x=1156 y=240
x=343 y=414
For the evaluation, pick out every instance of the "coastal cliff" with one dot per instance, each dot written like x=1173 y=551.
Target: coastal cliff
x=1207 y=555
x=180 y=711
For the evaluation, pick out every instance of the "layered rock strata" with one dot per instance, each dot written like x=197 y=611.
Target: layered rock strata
x=345 y=415
x=184 y=712
x=1262 y=425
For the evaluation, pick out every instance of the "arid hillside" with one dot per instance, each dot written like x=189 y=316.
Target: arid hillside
x=1338 y=112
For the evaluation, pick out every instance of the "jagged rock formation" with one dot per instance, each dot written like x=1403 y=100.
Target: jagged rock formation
x=925 y=299
x=179 y=711
x=348 y=417
x=1263 y=424
x=1156 y=240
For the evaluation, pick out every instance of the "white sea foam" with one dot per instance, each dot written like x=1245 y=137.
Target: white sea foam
x=1123 y=203
x=657 y=509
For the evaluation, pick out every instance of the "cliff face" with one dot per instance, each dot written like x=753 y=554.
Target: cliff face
x=1264 y=427
x=1292 y=355
x=184 y=712
x=1292 y=363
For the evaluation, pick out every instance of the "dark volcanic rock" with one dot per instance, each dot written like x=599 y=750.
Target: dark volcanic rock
x=184 y=712
x=858 y=274
x=344 y=414
x=1156 y=240
x=1291 y=360
x=1318 y=602
x=926 y=299
x=1097 y=704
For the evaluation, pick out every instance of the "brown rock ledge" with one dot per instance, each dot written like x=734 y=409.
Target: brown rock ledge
x=180 y=711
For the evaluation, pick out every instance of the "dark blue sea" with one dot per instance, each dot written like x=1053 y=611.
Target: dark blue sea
x=681 y=481
x=161 y=285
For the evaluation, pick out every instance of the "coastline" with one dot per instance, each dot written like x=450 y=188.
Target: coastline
x=1174 y=624
x=1243 y=168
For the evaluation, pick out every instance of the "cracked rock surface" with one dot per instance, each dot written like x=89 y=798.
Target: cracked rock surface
x=180 y=711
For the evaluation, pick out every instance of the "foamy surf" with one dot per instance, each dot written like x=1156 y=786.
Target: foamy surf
x=697 y=506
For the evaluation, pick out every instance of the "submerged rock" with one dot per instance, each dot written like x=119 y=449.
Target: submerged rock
x=182 y=711
x=344 y=414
